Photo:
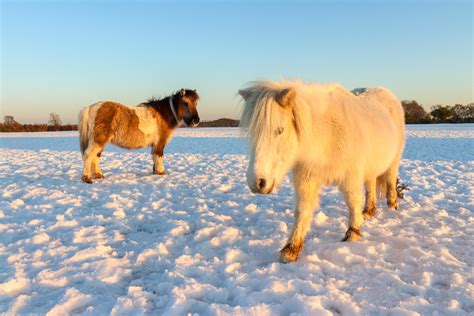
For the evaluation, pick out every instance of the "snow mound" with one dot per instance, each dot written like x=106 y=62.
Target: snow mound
x=197 y=241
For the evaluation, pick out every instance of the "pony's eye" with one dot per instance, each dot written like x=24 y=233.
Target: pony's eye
x=279 y=130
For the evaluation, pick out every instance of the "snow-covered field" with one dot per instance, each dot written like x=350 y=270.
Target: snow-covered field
x=197 y=241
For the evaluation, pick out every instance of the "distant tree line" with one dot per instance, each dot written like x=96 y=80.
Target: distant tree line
x=54 y=124
x=416 y=114
x=223 y=122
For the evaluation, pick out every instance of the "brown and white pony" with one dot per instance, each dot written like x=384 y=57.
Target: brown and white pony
x=150 y=123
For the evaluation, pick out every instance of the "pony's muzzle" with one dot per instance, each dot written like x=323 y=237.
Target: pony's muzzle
x=192 y=121
x=261 y=186
x=195 y=121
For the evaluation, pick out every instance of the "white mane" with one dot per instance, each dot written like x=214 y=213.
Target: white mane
x=258 y=114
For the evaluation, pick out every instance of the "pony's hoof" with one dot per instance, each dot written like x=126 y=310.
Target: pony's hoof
x=352 y=234
x=86 y=179
x=393 y=205
x=98 y=176
x=290 y=253
x=160 y=173
x=369 y=213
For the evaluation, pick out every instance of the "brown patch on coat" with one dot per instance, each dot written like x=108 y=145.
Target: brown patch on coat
x=159 y=147
x=118 y=124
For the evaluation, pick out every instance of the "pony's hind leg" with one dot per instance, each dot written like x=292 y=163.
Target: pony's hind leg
x=370 y=198
x=354 y=199
x=391 y=178
x=89 y=155
x=96 y=172
x=307 y=200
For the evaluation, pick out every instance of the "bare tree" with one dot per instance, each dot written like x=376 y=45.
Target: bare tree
x=55 y=121
x=9 y=120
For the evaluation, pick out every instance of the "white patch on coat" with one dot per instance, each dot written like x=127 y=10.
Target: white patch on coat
x=147 y=124
x=92 y=115
x=158 y=162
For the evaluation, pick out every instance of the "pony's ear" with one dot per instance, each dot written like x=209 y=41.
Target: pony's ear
x=244 y=93
x=286 y=97
x=182 y=92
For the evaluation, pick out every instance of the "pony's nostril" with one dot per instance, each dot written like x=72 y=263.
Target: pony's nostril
x=195 y=121
x=261 y=183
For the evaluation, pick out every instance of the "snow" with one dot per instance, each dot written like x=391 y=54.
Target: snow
x=423 y=131
x=197 y=241
x=180 y=132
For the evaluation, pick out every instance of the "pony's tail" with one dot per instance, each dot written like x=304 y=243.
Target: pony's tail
x=83 y=127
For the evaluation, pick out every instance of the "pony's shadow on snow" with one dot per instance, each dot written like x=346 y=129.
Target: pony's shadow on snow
x=116 y=179
x=325 y=237
x=140 y=172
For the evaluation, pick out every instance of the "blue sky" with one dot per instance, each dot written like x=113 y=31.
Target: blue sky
x=58 y=56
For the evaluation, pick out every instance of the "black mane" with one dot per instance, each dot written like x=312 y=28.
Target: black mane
x=153 y=101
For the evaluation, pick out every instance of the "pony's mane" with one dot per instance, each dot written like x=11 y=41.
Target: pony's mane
x=257 y=115
x=154 y=101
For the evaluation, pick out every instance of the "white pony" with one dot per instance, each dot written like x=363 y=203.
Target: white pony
x=325 y=135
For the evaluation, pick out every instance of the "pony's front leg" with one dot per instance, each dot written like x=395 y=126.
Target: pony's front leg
x=307 y=200
x=353 y=195
x=157 y=155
